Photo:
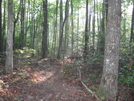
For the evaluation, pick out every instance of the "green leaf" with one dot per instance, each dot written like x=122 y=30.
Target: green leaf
x=102 y=98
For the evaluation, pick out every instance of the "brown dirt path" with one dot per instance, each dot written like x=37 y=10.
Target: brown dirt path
x=42 y=83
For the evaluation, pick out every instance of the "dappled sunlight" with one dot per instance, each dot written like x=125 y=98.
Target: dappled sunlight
x=41 y=76
x=38 y=83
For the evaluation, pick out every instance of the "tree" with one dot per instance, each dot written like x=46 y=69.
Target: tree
x=45 y=31
x=93 y=28
x=108 y=86
x=4 y=26
x=60 y=29
x=55 y=28
x=72 y=29
x=16 y=17
x=9 y=46
x=86 y=33
x=132 y=26
x=103 y=25
x=65 y=45
x=22 y=3
x=1 y=38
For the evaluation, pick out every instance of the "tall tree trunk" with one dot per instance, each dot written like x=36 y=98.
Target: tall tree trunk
x=1 y=36
x=60 y=31
x=93 y=28
x=103 y=26
x=45 y=31
x=72 y=27
x=132 y=27
x=86 y=33
x=33 y=31
x=66 y=26
x=22 y=23
x=62 y=23
x=15 y=22
x=77 y=38
x=55 y=28
x=9 y=48
x=109 y=81
x=4 y=27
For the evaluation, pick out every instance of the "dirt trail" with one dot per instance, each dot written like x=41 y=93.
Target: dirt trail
x=42 y=84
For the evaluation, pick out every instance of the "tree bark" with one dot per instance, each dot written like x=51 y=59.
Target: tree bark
x=93 y=28
x=61 y=30
x=22 y=24
x=86 y=34
x=45 y=31
x=14 y=24
x=55 y=29
x=1 y=36
x=9 y=48
x=101 y=43
x=132 y=26
x=65 y=45
x=72 y=27
x=4 y=27
x=109 y=80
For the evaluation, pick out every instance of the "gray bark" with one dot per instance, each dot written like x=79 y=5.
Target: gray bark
x=9 y=48
x=109 y=80
x=61 y=30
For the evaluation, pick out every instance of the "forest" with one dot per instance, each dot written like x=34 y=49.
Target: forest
x=66 y=50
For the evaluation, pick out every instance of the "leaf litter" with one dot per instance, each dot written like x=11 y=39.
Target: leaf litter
x=42 y=83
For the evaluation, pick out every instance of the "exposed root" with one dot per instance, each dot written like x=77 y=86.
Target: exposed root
x=89 y=90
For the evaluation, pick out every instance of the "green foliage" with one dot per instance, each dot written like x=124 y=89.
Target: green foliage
x=23 y=74
x=103 y=98
x=25 y=51
x=94 y=58
x=17 y=99
x=94 y=88
x=126 y=53
x=126 y=76
x=126 y=73
x=2 y=72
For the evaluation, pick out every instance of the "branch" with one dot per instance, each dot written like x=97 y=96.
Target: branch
x=93 y=93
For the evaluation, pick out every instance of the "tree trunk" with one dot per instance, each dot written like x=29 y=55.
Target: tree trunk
x=1 y=36
x=9 y=48
x=55 y=29
x=72 y=27
x=103 y=27
x=45 y=31
x=77 y=37
x=22 y=24
x=109 y=80
x=15 y=22
x=66 y=27
x=61 y=30
x=86 y=34
x=132 y=27
x=93 y=28
x=4 y=27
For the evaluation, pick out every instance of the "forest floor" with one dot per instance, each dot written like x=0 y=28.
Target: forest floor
x=50 y=80
x=41 y=81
